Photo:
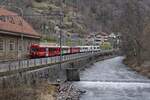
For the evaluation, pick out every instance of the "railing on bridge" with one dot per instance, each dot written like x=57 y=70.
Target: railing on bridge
x=32 y=63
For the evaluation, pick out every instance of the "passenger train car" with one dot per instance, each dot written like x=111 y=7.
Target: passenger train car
x=38 y=51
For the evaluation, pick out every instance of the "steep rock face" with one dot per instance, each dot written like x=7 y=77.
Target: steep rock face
x=48 y=13
x=81 y=15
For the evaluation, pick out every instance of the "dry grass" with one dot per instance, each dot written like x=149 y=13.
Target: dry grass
x=18 y=94
x=43 y=91
x=140 y=69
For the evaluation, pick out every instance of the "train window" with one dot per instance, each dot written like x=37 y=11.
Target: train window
x=47 y=49
x=52 y=49
x=34 y=49
x=65 y=48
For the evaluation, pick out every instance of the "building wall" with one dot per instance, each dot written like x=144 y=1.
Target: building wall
x=94 y=40
x=13 y=47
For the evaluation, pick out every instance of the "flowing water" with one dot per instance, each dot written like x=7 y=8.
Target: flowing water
x=112 y=80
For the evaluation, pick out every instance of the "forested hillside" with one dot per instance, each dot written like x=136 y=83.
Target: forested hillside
x=131 y=18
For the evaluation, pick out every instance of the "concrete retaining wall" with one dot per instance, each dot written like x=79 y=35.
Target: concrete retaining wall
x=53 y=73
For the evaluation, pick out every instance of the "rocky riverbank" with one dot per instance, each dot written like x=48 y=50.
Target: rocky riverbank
x=67 y=91
x=42 y=91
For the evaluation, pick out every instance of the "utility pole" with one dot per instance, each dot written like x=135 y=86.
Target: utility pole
x=61 y=14
x=60 y=33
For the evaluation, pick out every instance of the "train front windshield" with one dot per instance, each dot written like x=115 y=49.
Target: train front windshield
x=34 y=49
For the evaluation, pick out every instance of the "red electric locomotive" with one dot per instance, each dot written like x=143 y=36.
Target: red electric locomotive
x=37 y=51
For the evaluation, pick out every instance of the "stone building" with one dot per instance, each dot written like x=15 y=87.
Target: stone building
x=16 y=35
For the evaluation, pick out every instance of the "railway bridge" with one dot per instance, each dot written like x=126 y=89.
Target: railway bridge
x=52 y=68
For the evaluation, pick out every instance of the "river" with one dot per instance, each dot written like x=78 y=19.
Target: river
x=112 y=80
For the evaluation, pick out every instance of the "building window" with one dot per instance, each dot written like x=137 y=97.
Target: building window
x=1 y=44
x=2 y=18
x=20 y=22
x=29 y=45
x=12 y=45
x=25 y=45
x=11 y=20
x=20 y=46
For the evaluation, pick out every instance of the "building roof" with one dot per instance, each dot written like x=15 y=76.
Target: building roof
x=102 y=33
x=11 y=22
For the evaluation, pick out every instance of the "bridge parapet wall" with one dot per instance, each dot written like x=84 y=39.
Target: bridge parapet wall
x=52 y=73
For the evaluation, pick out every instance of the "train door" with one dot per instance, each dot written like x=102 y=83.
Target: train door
x=68 y=50
x=42 y=52
x=47 y=52
x=62 y=51
x=52 y=51
x=57 y=51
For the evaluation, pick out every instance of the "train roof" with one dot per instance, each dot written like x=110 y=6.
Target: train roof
x=49 y=46
x=88 y=46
